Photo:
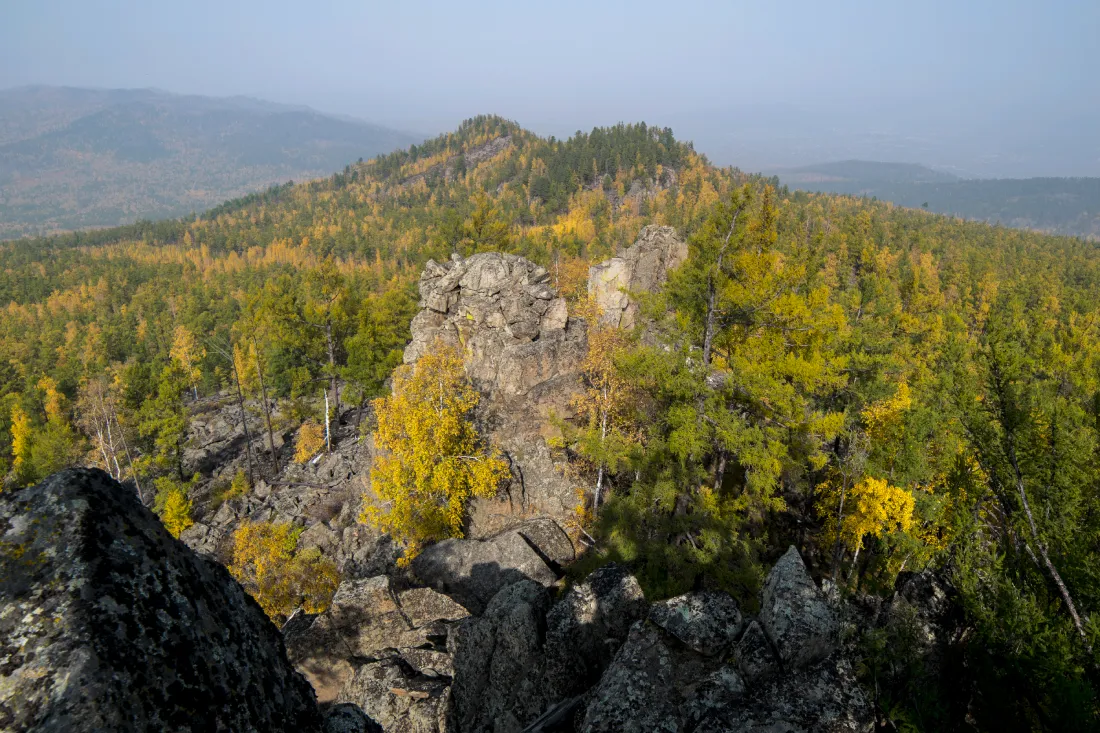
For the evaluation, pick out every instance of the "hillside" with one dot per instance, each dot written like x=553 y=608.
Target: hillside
x=1068 y=206
x=891 y=391
x=79 y=158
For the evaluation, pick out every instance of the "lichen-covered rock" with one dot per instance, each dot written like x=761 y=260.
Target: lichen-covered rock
x=641 y=268
x=348 y=718
x=398 y=698
x=109 y=623
x=586 y=628
x=473 y=571
x=754 y=655
x=822 y=698
x=637 y=691
x=494 y=656
x=795 y=614
x=708 y=622
x=719 y=693
x=422 y=606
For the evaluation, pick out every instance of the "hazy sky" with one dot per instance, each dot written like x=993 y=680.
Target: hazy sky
x=765 y=83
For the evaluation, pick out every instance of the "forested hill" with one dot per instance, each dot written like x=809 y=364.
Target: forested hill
x=888 y=389
x=78 y=158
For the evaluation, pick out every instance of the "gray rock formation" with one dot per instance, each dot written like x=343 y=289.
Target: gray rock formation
x=368 y=620
x=321 y=496
x=795 y=614
x=398 y=698
x=755 y=658
x=493 y=657
x=521 y=352
x=473 y=571
x=599 y=659
x=348 y=718
x=672 y=673
x=586 y=628
x=109 y=623
x=638 y=691
x=709 y=623
x=822 y=698
x=641 y=268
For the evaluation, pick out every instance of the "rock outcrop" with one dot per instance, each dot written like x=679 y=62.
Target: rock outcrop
x=641 y=268
x=473 y=571
x=795 y=614
x=369 y=620
x=323 y=496
x=109 y=623
x=522 y=352
x=601 y=658
x=673 y=673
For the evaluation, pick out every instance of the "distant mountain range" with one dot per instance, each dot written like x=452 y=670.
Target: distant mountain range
x=1055 y=205
x=77 y=158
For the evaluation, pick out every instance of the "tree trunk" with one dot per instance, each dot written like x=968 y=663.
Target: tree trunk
x=334 y=382
x=244 y=418
x=328 y=428
x=838 y=548
x=712 y=291
x=267 y=409
x=1054 y=574
x=720 y=469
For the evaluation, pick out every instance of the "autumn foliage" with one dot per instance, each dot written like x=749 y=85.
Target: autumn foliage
x=281 y=577
x=432 y=461
x=309 y=442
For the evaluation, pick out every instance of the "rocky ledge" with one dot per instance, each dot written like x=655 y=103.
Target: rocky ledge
x=598 y=658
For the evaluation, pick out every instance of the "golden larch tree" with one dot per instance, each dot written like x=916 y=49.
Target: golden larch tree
x=432 y=460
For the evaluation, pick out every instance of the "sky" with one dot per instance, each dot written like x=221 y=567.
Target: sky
x=986 y=87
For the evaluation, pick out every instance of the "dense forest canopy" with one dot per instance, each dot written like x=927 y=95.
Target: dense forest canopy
x=888 y=389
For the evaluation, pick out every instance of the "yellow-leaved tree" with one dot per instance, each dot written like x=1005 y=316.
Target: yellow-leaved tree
x=607 y=433
x=189 y=353
x=873 y=507
x=432 y=461
x=173 y=503
x=854 y=505
x=309 y=442
x=282 y=578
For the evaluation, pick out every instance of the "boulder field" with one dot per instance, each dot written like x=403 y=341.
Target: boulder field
x=109 y=623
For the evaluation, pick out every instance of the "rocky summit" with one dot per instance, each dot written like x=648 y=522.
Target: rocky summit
x=107 y=623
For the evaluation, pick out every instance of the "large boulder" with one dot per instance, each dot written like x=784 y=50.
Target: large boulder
x=823 y=698
x=586 y=628
x=638 y=691
x=109 y=623
x=707 y=622
x=641 y=268
x=494 y=656
x=795 y=614
x=398 y=698
x=473 y=571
